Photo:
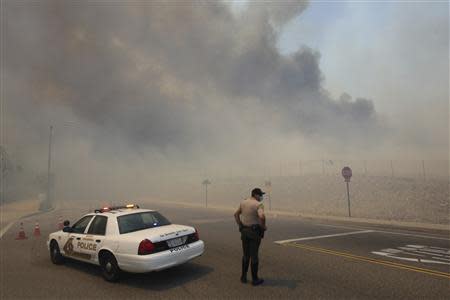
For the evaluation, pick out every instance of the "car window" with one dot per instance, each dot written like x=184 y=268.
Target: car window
x=139 y=221
x=80 y=226
x=98 y=225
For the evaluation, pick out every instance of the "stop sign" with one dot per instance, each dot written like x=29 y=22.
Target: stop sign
x=347 y=173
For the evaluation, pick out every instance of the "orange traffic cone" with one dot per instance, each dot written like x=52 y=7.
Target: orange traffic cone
x=37 y=230
x=21 y=235
x=60 y=223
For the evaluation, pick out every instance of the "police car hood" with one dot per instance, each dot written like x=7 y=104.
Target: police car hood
x=161 y=233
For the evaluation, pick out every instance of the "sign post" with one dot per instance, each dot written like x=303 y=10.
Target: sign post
x=268 y=186
x=205 y=183
x=347 y=174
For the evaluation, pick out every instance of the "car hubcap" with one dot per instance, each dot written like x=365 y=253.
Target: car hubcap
x=108 y=267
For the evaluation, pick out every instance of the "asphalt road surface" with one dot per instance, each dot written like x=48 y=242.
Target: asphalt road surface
x=299 y=259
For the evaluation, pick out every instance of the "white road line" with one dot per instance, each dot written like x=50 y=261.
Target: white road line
x=414 y=235
x=389 y=232
x=322 y=236
x=5 y=229
x=338 y=226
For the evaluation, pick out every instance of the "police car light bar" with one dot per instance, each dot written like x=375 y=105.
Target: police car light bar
x=105 y=209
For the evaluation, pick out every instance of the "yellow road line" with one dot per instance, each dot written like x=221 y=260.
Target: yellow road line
x=371 y=260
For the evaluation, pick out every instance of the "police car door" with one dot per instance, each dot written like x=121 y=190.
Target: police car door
x=93 y=241
x=71 y=245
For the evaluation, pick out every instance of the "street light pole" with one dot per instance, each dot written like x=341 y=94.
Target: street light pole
x=49 y=168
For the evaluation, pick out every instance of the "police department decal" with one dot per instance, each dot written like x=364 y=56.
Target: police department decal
x=68 y=247
x=418 y=253
x=69 y=250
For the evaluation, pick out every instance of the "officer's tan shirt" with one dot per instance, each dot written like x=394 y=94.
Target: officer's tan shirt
x=251 y=211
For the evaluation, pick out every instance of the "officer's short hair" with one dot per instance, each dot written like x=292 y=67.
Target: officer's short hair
x=257 y=191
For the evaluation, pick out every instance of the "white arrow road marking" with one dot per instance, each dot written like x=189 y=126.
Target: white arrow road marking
x=416 y=246
x=409 y=250
x=393 y=251
x=388 y=232
x=322 y=236
x=439 y=248
x=434 y=262
x=441 y=258
x=410 y=258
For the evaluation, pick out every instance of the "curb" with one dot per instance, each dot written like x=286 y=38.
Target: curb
x=10 y=224
x=440 y=228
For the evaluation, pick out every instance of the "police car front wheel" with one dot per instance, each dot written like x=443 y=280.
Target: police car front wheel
x=110 y=269
x=55 y=254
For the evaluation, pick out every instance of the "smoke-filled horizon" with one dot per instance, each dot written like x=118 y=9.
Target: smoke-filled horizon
x=146 y=88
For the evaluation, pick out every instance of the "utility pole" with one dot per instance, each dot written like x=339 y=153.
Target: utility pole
x=4 y=168
x=48 y=200
x=323 y=167
x=268 y=185
x=423 y=170
x=392 y=169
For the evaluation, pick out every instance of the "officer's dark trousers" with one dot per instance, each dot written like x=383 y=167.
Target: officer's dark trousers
x=250 y=246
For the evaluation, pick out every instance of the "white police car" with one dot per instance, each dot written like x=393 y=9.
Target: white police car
x=126 y=238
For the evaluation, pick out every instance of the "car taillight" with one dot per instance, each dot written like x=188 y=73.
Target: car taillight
x=146 y=247
x=196 y=235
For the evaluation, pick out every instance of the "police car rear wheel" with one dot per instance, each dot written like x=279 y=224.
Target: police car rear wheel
x=55 y=254
x=110 y=269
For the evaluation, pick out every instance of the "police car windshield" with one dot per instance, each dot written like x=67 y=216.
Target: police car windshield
x=140 y=221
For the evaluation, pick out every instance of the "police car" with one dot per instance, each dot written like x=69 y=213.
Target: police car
x=125 y=238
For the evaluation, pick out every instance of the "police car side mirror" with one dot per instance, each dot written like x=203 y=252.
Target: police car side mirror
x=67 y=229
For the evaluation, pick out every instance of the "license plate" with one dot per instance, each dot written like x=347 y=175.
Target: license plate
x=179 y=248
x=176 y=242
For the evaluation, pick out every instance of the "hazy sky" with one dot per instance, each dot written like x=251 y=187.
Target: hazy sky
x=395 y=52
x=360 y=41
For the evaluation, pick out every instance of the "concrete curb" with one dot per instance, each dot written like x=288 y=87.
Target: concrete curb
x=10 y=224
x=275 y=213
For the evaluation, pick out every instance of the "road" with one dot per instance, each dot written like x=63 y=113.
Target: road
x=299 y=259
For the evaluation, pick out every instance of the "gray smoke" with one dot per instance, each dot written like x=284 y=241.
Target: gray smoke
x=153 y=84
x=154 y=73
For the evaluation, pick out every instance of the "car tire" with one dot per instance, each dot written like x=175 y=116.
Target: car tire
x=55 y=254
x=110 y=269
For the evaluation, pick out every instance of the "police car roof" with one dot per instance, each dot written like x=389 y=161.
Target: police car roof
x=124 y=211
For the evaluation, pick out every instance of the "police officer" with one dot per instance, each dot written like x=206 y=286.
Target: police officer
x=252 y=224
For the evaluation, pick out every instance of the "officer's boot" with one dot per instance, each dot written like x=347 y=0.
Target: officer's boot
x=245 y=264
x=255 y=279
